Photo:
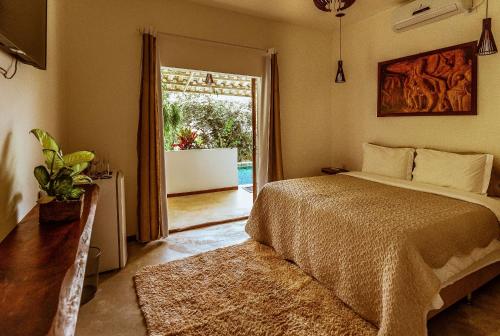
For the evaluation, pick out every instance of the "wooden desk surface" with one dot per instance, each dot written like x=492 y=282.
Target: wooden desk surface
x=41 y=273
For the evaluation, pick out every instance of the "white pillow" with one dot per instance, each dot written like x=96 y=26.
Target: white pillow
x=459 y=171
x=392 y=162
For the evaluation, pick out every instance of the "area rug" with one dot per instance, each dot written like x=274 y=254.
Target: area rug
x=239 y=291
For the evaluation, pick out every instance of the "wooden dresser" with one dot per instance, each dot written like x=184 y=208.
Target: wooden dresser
x=42 y=268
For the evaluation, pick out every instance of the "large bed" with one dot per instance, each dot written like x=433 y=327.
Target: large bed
x=397 y=252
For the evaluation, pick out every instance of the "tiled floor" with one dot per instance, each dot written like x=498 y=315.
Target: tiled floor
x=186 y=211
x=114 y=310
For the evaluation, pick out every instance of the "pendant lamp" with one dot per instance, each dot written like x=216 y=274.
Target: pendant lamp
x=340 y=77
x=328 y=5
x=487 y=45
x=209 y=80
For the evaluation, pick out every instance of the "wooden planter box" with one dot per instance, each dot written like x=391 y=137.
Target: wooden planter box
x=61 y=212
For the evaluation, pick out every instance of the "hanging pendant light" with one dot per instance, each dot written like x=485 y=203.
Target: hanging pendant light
x=209 y=80
x=327 y=5
x=487 y=45
x=340 y=77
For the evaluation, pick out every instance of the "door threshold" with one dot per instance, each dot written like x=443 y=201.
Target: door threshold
x=207 y=224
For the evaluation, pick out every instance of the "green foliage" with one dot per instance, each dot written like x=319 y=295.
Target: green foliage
x=218 y=123
x=172 y=119
x=188 y=139
x=53 y=159
x=80 y=159
x=42 y=176
x=61 y=175
x=46 y=140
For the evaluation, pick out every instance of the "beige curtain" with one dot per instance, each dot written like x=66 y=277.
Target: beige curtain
x=269 y=156
x=151 y=175
x=275 y=167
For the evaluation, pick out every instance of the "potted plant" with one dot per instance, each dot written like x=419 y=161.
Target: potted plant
x=60 y=180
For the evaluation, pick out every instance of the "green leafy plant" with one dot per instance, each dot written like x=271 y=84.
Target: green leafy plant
x=188 y=139
x=62 y=174
x=172 y=119
x=218 y=123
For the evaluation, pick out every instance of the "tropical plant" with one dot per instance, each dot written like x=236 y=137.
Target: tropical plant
x=187 y=139
x=219 y=123
x=172 y=119
x=62 y=174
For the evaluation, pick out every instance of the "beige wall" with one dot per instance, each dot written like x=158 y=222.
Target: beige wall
x=102 y=57
x=96 y=97
x=354 y=104
x=31 y=99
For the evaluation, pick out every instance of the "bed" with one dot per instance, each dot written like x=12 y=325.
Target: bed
x=397 y=252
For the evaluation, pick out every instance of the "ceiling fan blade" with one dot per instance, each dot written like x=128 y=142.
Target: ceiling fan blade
x=323 y=5
x=344 y=4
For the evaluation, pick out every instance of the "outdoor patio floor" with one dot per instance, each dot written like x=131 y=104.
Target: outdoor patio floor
x=194 y=210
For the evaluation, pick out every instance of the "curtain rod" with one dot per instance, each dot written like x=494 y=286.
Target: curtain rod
x=211 y=41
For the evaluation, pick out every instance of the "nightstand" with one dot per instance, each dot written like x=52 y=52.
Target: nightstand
x=333 y=171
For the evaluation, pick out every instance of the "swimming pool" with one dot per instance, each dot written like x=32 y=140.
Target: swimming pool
x=245 y=175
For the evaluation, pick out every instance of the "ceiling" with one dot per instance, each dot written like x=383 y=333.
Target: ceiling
x=192 y=81
x=300 y=12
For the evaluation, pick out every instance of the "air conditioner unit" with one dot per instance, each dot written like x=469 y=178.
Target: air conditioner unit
x=421 y=12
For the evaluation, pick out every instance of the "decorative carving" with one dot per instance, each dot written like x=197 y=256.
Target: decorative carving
x=433 y=83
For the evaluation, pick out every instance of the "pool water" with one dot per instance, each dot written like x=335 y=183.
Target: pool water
x=245 y=175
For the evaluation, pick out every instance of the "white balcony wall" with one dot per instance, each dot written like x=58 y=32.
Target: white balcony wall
x=201 y=169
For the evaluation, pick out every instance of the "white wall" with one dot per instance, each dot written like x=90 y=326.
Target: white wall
x=102 y=49
x=355 y=103
x=201 y=169
x=30 y=100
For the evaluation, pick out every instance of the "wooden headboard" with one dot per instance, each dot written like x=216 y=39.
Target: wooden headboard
x=494 y=188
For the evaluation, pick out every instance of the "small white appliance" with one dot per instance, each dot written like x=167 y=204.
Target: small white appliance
x=109 y=232
x=421 y=12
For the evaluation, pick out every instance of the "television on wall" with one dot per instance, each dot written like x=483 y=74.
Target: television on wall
x=23 y=30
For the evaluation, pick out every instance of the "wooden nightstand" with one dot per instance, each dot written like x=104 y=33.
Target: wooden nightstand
x=333 y=171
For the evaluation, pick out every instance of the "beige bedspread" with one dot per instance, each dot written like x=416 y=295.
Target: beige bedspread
x=374 y=245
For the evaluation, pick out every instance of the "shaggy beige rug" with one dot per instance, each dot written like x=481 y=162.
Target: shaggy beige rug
x=241 y=290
